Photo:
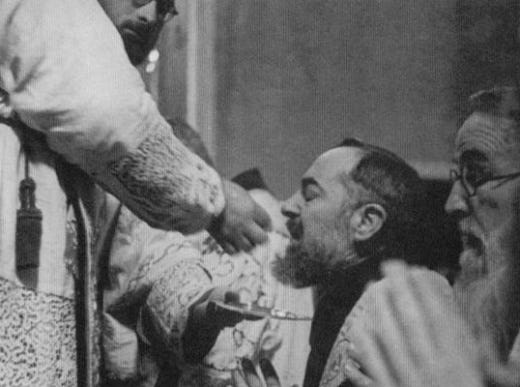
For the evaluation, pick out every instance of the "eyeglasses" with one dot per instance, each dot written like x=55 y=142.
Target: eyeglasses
x=165 y=8
x=471 y=183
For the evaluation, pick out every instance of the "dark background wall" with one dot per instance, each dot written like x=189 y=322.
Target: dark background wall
x=287 y=79
x=295 y=77
x=488 y=51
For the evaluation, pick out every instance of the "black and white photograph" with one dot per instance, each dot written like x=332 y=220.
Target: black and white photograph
x=259 y=193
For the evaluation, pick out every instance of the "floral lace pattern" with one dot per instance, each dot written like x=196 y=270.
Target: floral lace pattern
x=38 y=342
x=184 y=192
x=245 y=274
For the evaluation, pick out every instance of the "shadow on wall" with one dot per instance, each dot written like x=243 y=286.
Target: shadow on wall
x=488 y=48
x=294 y=77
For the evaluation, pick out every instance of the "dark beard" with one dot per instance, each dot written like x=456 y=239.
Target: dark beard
x=304 y=266
x=138 y=38
x=299 y=267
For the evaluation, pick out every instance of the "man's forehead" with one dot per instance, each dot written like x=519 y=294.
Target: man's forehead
x=487 y=134
x=334 y=162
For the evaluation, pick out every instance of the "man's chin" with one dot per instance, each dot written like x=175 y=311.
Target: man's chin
x=135 y=53
x=301 y=266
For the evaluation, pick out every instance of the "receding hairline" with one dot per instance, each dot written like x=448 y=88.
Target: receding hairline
x=501 y=101
x=364 y=150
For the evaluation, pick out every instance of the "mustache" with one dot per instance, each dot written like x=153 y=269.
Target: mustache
x=472 y=260
x=295 y=228
x=141 y=28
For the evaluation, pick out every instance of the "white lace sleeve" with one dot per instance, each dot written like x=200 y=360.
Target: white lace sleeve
x=64 y=67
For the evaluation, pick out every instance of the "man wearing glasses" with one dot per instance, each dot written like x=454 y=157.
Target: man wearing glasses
x=474 y=343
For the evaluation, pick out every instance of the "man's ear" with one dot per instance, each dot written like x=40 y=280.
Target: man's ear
x=367 y=220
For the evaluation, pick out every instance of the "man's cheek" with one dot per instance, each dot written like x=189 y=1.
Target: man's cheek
x=312 y=225
x=504 y=240
x=487 y=202
x=488 y=214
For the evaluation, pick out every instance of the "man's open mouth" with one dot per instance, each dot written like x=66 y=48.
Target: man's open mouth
x=471 y=242
x=295 y=229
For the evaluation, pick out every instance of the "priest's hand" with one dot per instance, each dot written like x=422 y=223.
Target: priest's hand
x=243 y=224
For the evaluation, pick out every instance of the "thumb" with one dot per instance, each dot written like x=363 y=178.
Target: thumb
x=262 y=218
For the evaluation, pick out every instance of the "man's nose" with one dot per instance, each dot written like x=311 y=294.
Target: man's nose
x=148 y=13
x=457 y=202
x=291 y=207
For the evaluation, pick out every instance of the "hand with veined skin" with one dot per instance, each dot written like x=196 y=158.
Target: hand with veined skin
x=242 y=224
x=415 y=336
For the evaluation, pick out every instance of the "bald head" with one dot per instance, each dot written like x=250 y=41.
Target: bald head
x=493 y=127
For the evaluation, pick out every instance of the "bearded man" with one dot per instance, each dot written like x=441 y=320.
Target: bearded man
x=139 y=23
x=485 y=199
x=474 y=343
x=358 y=206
